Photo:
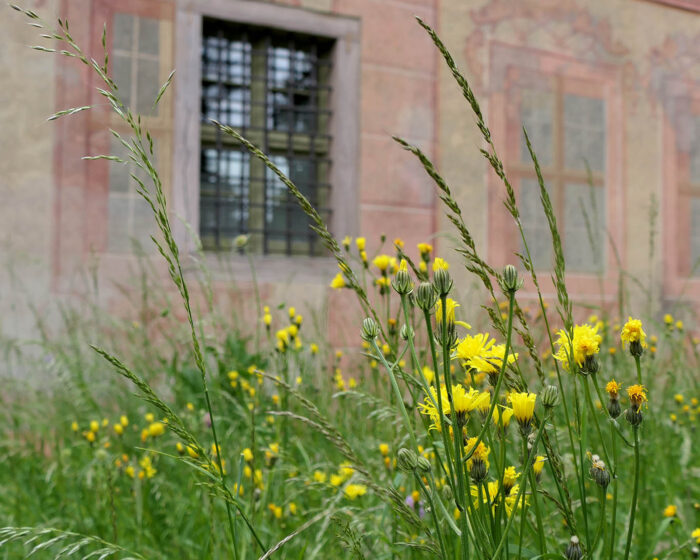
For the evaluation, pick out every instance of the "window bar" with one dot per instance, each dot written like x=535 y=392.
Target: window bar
x=290 y=153
x=219 y=140
x=247 y=62
x=313 y=102
x=266 y=128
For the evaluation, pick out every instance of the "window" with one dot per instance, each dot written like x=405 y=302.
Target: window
x=274 y=87
x=139 y=67
x=567 y=131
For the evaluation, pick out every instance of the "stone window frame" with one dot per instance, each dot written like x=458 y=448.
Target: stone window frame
x=506 y=61
x=343 y=127
x=683 y=96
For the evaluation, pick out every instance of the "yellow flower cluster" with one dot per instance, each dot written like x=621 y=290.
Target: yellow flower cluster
x=482 y=354
x=584 y=345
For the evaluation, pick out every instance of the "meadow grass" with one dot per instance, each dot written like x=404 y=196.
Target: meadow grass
x=435 y=439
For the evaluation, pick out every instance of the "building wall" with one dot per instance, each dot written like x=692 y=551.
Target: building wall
x=643 y=54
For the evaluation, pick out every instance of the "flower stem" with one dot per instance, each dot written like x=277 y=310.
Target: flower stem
x=633 y=510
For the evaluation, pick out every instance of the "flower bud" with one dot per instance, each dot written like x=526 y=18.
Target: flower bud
x=478 y=471
x=590 y=365
x=426 y=296
x=402 y=282
x=636 y=348
x=550 y=396
x=446 y=492
x=634 y=415
x=573 y=551
x=614 y=408
x=406 y=459
x=599 y=473
x=423 y=465
x=510 y=281
x=370 y=329
x=442 y=281
x=406 y=332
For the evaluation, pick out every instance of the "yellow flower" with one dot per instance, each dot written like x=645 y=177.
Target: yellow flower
x=90 y=436
x=481 y=453
x=118 y=429
x=440 y=264
x=679 y=325
x=276 y=510
x=668 y=319
x=156 y=429
x=94 y=426
x=633 y=332
x=347 y=240
x=319 y=477
x=313 y=348
x=292 y=508
x=471 y=347
x=267 y=319
x=670 y=511
x=398 y=243
x=360 y=242
x=491 y=361
x=353 y=491
x=538 y=465
x=425 y=249
x=502 y=418
x=338 y=282
x=637 y=395
x=510 y=477
x=336 y=480
x=678 y=398
x=450 y=305
x=149 y=417
x=696 y=535
x=247 y=454
x=383 y=262
x=384 y=449
x=429 y=374
x=613 y=388
x=523 y=407
x=74 y=426
x=585 y=344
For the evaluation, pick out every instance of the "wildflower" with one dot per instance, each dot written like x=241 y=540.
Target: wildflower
x=353 y=491
x=192 y=452
x=360 y=242
x=524 y=409
x=247 y=454
x=147 y=466
x=550 y=396
x=538 y=465
x=382 y=262
x=402 y=281
x=398 y=243
x=156 y=429
x=478 y=463
x=450 y=306
x=129 y=471
x=510 y=477
x=319 y=477
x=74 y=426
x=429 y=374
x=440 y=264
x=346 y=470
x=613 y=389
x=510 y=282
x=338 y=282
x=347 y=240
x=384 y=449
x=94 y=426
x=502 y=419
x=89 y=436
x=150 y=417
x=425 y=249
x=118 y=429
x=637 y=396
x=633 y=334
x=583 y=348
x=599 y=472
x=267 y=318
x=696 y=535
x=670 y=511
x=679 y=325
x=573 y=551
x=276 y=510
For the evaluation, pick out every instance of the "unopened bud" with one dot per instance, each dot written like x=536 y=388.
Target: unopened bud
x=636 y=348
x=406 y=459
x=550 y=396
x=426 y=296
x=590 y=365
x=634 y=415
x=402 y=282
x=510 y=280
x=573 y=551
x=406 y=332
x=423 y=465
x=370 y=329
x=442 y=281
x=614 y=408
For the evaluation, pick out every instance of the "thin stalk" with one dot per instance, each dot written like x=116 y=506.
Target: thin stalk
x=635 y=493
x=614 y=504
x=538 y=515
x=589 y=400
x=438 y=531
x=397 y=392
x=528 y=467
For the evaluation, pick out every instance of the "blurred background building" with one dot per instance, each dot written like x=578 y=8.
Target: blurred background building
x=609 y=91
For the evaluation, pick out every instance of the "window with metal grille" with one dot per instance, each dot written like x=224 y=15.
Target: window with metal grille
x=273 y=87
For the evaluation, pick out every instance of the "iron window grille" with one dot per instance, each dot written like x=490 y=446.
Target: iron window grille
x=273 y=87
